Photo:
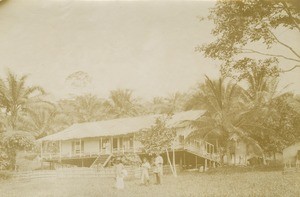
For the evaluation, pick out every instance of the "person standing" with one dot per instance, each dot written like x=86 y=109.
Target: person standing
x=145 y=172
x=119 y=175
x=158 y=170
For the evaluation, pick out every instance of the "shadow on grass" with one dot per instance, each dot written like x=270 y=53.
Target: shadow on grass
x=243 y=169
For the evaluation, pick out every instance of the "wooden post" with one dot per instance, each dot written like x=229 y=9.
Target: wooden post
x=118 y=144
x=42 y=149
x=184 y=159
x=123 y=144
x=80 y=147
x=101 y=145
x=196 y=161
x=111 y=144
x=60 y=149
x=42 y=155
x=180 y=161
x=133 y=146
x=207 y=147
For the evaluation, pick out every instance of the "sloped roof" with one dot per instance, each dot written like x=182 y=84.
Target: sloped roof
x=120 y=126
x=291 y=150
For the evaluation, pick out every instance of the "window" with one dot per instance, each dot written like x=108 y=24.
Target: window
x=105 y=143
x=76 y=147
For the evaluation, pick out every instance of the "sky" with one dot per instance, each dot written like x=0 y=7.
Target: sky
x=148 y=47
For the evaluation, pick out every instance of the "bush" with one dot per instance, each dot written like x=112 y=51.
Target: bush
x=4 y=175
x=4 y=159
x=10 y=143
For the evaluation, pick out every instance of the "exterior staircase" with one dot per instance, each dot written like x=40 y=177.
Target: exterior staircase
x=101 y=161
x=196 y=151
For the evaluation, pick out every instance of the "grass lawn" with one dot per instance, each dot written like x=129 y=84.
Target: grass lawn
x=186 y=184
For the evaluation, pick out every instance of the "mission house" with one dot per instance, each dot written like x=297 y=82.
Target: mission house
x=94 y=144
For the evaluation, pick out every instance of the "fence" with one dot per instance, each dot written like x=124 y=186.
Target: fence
x=133 y=172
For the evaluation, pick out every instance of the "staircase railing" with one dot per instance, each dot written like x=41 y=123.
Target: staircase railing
x=102 y=164
x=203 y=149
x=96 y=160
x=107 y=160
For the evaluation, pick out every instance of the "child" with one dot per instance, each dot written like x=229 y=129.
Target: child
x=145 y=172
x=120 y=175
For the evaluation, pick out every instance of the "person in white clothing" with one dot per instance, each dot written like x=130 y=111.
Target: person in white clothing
x=158 y=170
x=120 y=175
x=145 y=172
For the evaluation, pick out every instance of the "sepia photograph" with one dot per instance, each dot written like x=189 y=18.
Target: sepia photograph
x=149 y=98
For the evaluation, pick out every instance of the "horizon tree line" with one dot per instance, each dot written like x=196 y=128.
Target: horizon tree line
x=258 y=114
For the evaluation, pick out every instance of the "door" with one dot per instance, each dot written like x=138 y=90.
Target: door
x=77 y=147
x=106 y=147
x=115 y=144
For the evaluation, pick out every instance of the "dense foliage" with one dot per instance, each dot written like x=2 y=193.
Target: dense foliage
x=10 y=143
x=158 y=138
x=246 y=33
x=239 y=25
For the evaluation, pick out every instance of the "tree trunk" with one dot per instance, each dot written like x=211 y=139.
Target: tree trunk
x=228 y=155
x=264 y=159
x=169 y=161
x=174 y=163
x=274 y=157
x=12 y=154
x=14 y=114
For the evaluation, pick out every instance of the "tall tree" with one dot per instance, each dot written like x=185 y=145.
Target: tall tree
x=225 y=117
x=279 y=127
x=15 y=96
x=42 y=120
x=239 y=24
x=157 y=106
x=268 y=108
x=121 y=103
x=260 y=79
x=87 y=108
x=176 y=102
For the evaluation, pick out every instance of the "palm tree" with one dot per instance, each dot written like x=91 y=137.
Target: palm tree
x=15 y=96
x=262 y=92
x=226 y=109
x=274 y=120
x=122 y=104
x=157 y=105
x=43 y=120
x=3 y=122
x=176 y=102
x=87 y=108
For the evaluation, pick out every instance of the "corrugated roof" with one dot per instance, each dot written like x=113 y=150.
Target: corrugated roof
x=120 y=126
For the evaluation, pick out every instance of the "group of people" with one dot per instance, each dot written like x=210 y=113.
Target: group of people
x=157 y=170
x=145 y=168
